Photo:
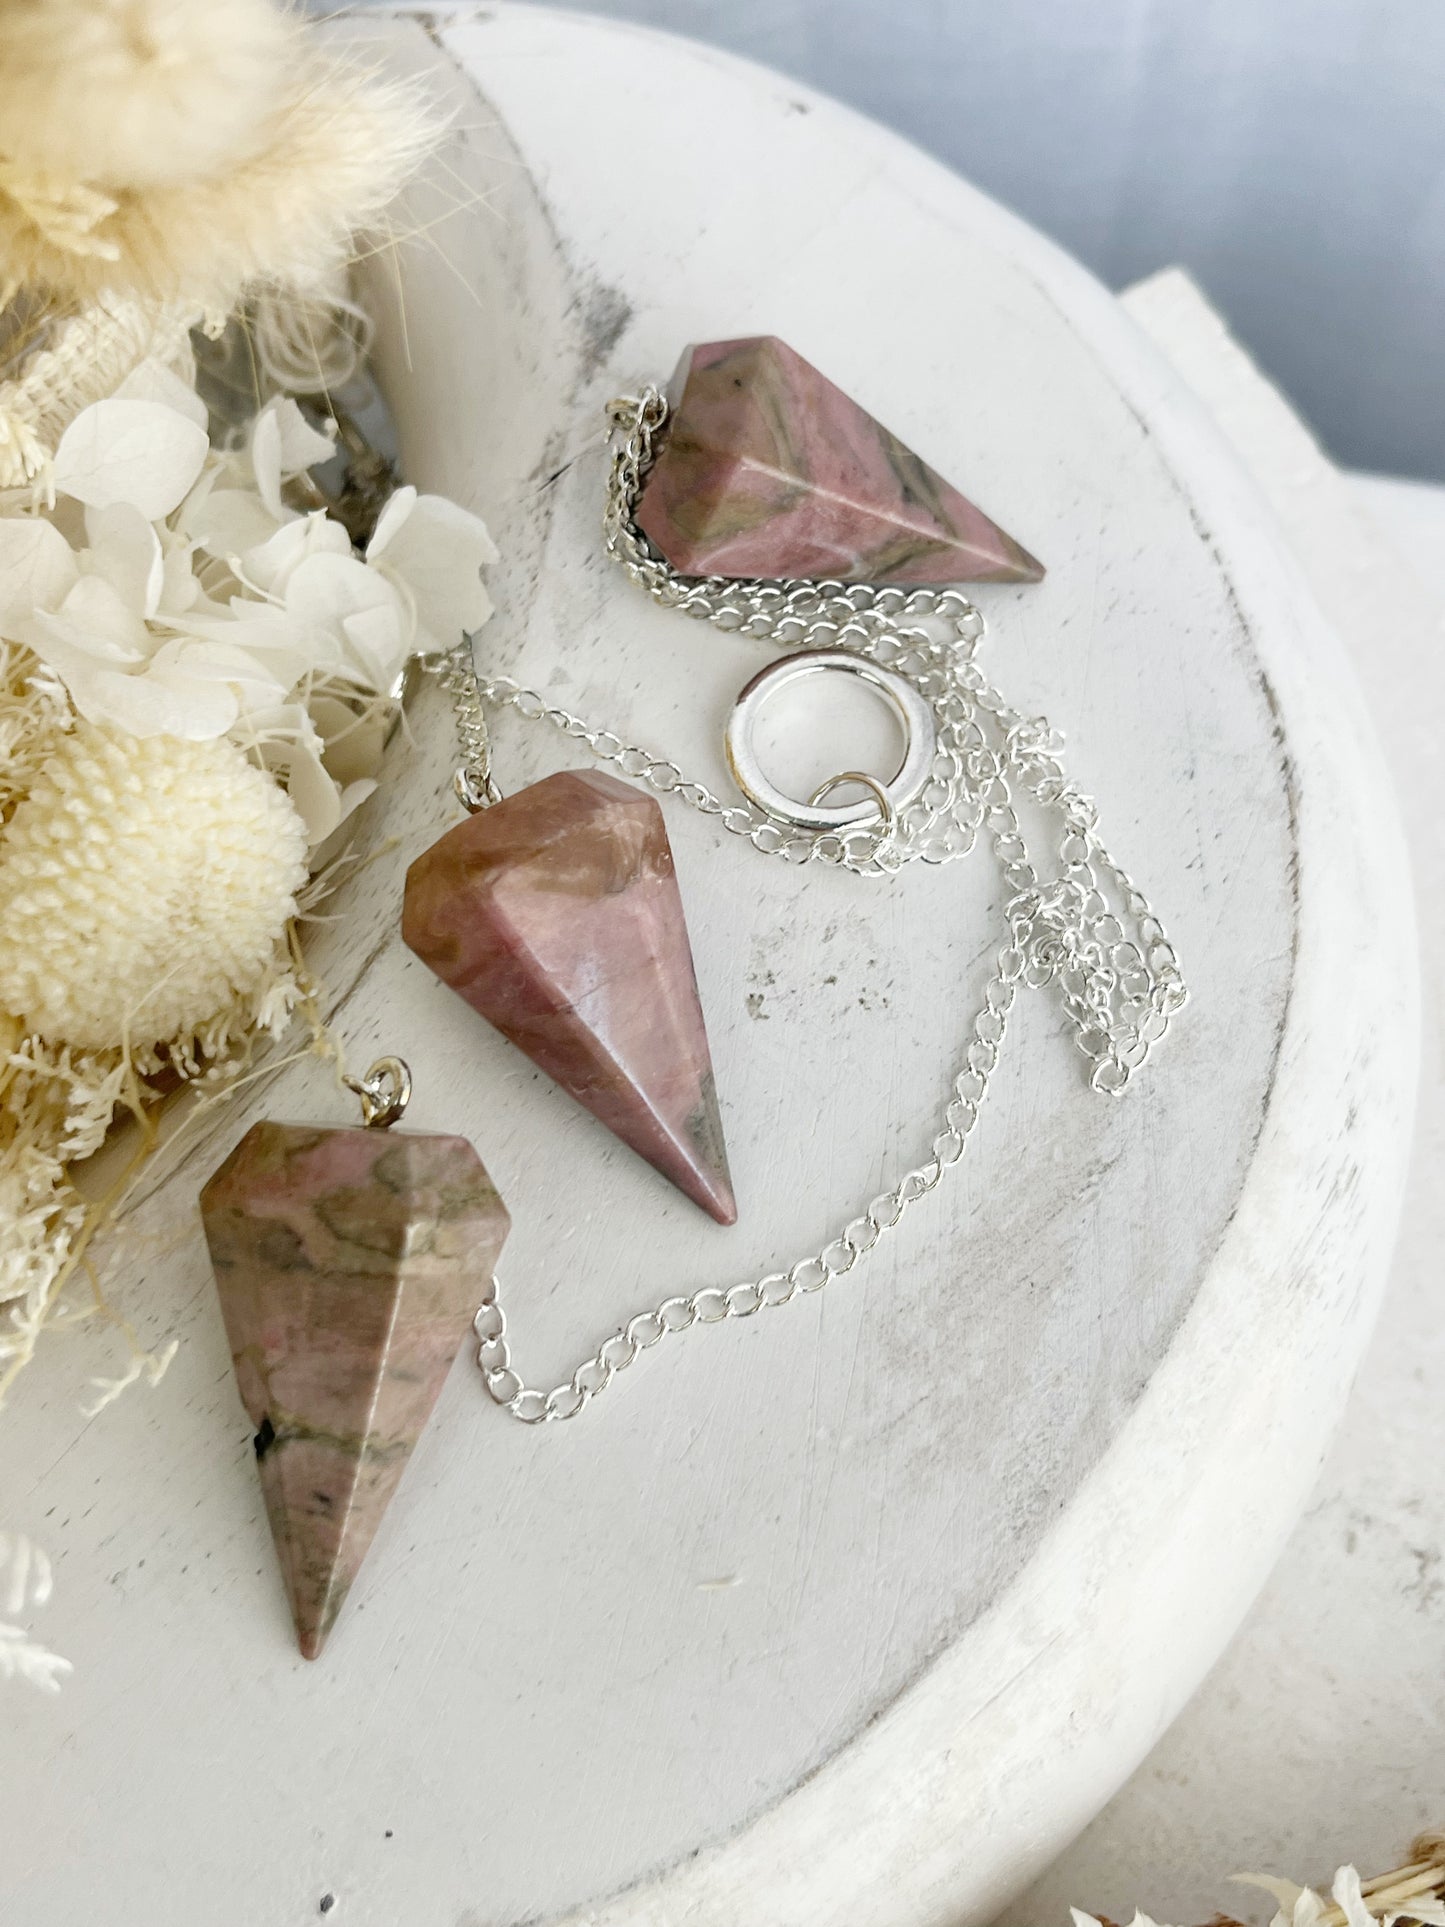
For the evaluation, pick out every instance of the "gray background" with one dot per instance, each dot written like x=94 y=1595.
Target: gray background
x=1290 y=153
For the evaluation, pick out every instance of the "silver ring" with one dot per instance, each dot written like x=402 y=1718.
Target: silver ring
x=904 y=787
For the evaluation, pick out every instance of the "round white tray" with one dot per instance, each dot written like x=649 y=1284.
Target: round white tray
x=856 y=1611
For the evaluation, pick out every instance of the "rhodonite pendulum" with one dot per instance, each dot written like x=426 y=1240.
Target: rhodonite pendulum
x=349 y=1264
x=767 y=469
x=555 y=913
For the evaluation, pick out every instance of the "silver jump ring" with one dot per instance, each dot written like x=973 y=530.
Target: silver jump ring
x=886 y=811
x=904 y=787
x=385 y=1092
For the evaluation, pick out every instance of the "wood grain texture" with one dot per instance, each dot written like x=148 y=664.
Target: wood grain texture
x=857 y=1611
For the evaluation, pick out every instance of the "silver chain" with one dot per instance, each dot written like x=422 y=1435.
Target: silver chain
x=1089 y=930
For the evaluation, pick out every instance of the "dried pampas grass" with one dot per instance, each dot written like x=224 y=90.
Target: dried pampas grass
x=210 y=183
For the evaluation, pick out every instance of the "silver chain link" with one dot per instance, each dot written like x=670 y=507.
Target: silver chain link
x=1089 y=930
x=473 y=782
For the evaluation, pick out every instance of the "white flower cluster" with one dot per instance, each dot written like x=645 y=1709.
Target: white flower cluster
x=175 y=590
x=1391 y=1900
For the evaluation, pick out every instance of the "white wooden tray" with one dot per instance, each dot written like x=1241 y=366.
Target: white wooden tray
x=856 y=1611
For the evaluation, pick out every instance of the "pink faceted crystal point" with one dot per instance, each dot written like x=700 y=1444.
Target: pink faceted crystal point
x=556 y=915
x=767 y=469
x=349 y=1264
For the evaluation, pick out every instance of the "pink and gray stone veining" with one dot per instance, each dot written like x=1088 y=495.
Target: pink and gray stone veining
x=556 y=915
x=768 y=469
x=349 y=1264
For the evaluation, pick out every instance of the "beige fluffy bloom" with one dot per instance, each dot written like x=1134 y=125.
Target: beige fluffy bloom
x=179 y=149
x=138 y=93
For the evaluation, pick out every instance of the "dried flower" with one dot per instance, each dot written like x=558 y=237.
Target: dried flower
x=177 y=150
x=133 y=93
x=1415 y=1892
x=73 y=360
x=191 y=599
x=195 y=665
x=145 y=884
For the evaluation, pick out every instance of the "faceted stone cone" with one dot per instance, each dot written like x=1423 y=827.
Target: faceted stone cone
x=767 y=469
x=349 y=1265
x=556 y=915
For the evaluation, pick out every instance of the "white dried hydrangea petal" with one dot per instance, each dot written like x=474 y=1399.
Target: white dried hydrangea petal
x=1349 y=1898
x=288 y=744
x=37 y=568
x=1309 y=1908
x=94 y=622
x=229 y=521
x=290 y=651
x=269 y=564
x=163 y=702
x=1284 y=1893
x=126 y=551
x=302 y=446
x=180 y=591
x=355 y=734
x=357 y=605
x=354 y=795
x=152 y=380
x=437 y=550
x=324 y=588
x=190 y=663
x=116 y=670
x=141 y=452
x=380 y=641
x=203 y=606
x=283 y=444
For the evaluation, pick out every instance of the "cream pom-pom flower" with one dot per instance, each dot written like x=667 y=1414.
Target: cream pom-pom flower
x=145 y=883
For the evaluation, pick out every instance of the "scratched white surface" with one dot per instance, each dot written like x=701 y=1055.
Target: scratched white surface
x=1320 y=1735
x=857 y=1611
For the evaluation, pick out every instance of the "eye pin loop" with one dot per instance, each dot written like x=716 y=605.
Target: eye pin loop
x=385 y=1092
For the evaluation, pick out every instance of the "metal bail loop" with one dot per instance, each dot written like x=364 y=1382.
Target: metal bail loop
x=634 y=411
x=385 y=1092
x=475 y=792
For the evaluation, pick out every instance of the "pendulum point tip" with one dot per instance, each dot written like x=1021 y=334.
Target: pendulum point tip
x=724 y=1208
